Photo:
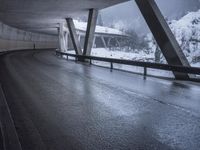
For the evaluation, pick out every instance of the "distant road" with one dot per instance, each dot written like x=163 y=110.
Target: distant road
x=63 y=105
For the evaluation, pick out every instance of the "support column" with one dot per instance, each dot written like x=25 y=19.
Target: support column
x=118 y=43
x=59 y=40
x=104 y=42
x=62 y=41
x=94 y=42
x=109 y=46
x=79 y=38
x=163 y=35
x=91 y=26
x=66 y=39
x=74 y=37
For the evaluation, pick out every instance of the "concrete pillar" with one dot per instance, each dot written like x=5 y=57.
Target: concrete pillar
x=104 y=42
x=59 y=43
x=74 y=36
x=118 y=43
x=110 y=46
x=94 y=42
x=62 y=40
x=91 y=26
x=163 y=35
x=79 y=38
x=66 y=39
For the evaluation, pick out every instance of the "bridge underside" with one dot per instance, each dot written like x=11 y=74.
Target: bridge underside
x=58 y=104
x=44 y=15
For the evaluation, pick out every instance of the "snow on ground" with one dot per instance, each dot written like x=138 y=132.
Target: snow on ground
x=186 y=31
x=99 y=29
x=140 y=56
x=102 y=52
x=196 y=64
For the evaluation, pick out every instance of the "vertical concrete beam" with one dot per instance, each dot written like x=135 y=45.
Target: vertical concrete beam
x=104 y=42
x=118 y=43
x=91 y=26
x=74 y=36
x=62 y=40
x=66 y=34
x=79 y=38
x=163 y=35
x=59 y=40
x=94 y=42
x=109 y=45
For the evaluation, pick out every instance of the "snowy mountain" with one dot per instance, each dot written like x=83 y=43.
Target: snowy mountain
x=187 y=33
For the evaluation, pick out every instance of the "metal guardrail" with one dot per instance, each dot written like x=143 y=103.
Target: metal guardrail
x=166 y=67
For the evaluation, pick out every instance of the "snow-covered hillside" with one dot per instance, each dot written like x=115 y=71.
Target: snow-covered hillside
x=187 y=33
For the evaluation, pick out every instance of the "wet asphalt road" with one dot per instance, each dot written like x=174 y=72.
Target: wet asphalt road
x=62 y=105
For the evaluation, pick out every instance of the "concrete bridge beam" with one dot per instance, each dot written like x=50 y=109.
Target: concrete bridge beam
x=62 y=38
x=74 y=36
x=104 y=42
x=91 y=26
x=163 y=35
x=94 y=42
x=66 y=34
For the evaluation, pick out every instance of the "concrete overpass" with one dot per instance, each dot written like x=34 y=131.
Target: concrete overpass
x=48 y=103
x=104 y=37
x=42 y=16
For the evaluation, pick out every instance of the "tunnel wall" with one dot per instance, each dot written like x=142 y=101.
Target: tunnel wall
x=14 y=39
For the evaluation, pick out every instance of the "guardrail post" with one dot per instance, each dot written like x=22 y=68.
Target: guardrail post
x=145 y=71
x=90 y=61
x=111 y=66
x=67 y=57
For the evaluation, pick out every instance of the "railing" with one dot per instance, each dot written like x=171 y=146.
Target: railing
x=166 y=67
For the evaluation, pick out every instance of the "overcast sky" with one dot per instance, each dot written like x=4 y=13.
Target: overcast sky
x=129 y=14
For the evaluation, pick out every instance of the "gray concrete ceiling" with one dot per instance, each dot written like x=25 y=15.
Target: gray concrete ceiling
x=44 y=15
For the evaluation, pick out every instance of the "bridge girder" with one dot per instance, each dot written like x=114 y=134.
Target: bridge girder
x=163 y=35
x=91 y=26
x=74 y=36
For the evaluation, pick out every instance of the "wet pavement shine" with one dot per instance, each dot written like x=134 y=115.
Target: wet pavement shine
x=64 y=105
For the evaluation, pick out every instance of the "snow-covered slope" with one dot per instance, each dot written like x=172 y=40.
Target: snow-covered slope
x=99 y=29
x=187 y=33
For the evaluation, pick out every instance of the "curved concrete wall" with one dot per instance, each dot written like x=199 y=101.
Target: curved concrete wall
x=13 y=39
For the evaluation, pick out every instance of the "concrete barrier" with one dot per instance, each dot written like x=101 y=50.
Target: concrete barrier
x=13 y=39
